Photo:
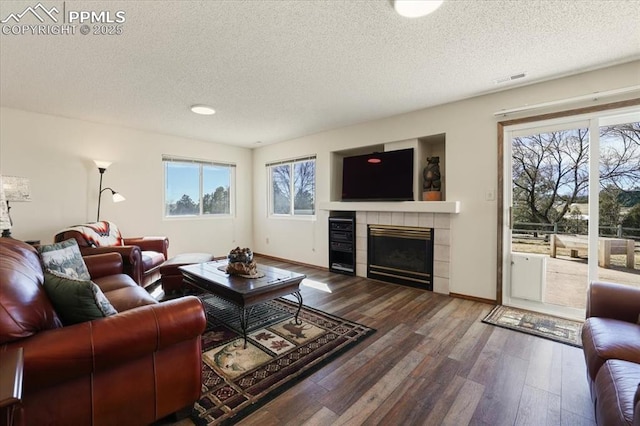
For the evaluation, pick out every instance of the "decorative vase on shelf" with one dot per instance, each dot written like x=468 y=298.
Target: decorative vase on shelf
x=432 y=180
x=432 y=196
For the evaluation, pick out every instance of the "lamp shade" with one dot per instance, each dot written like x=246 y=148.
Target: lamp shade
x=102 y=164
x=16 y=188
x=117 y=197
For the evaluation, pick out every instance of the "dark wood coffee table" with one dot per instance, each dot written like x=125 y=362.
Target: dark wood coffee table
x=244 y=292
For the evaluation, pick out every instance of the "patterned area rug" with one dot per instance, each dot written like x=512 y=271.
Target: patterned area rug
x=553 y=328
x=237 y=381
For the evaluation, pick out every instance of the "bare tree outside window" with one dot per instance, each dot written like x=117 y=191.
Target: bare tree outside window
x=550 y=171
x=620 y=180
x=551 y=175
x=304 y=187
x=620 y=156
x=281 y=178
x=293 y=188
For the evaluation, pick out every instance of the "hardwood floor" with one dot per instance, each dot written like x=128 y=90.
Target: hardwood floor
x=430 y=362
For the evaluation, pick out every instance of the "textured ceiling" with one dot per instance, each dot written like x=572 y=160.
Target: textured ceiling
x=276 y=70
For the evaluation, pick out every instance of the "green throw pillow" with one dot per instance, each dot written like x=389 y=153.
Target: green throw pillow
x=76 y=300
x=64 y=259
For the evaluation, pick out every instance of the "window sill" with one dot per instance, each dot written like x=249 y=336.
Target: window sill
x=309 y=218
x=194 y=218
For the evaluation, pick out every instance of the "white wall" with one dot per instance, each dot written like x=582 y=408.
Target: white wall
x=471 y=170
x=57 y=154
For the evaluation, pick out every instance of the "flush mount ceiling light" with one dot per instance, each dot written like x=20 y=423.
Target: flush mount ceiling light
x=203 y=109
x=415 y=8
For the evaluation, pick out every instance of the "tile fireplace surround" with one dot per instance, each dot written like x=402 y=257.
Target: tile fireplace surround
x=442 y=240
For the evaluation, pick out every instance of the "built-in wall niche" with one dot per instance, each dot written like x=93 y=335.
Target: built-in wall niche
x=433 y=146
x=336 y=166
x=423 y=147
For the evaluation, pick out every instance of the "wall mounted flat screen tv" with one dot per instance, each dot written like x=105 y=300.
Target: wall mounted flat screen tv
x=381 y=176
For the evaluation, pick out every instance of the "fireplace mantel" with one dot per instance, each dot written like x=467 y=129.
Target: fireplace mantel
x=393 y=206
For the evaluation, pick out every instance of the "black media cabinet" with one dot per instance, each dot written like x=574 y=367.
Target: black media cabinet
x=342 y=245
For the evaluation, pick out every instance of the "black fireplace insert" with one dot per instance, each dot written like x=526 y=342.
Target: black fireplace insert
x=401 y=255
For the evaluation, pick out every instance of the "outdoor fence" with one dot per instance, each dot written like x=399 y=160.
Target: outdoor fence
x=543 y=230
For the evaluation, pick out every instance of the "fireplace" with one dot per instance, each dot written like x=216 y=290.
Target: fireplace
x=401 y=255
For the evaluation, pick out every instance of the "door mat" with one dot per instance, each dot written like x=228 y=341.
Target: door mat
x=237 y=381
x=541 y=325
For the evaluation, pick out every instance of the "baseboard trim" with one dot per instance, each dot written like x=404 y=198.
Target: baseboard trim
x=280 y=259
x=308 y=265
x=473 y=298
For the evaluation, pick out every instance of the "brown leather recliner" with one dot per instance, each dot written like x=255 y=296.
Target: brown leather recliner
x=611 y=344
x=142 y=256
x=131 y=368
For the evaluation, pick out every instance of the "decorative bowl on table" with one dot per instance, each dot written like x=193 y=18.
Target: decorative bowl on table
x=241 y=262
x=238 y=255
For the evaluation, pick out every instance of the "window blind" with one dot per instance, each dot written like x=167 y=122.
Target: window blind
x=196 y=161
x=293 y=160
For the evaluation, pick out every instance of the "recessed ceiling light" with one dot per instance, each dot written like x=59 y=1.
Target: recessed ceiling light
x=203 y=109
x=416 y=8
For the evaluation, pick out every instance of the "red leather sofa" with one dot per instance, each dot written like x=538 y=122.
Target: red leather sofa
x=142 y=256
x=131 y=368
x=611 y=342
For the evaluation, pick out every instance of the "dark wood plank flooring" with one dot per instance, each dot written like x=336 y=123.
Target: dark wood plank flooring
x=432 y=361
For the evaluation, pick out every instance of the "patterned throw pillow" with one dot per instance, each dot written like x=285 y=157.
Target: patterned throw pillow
x=76 y=301
x=64 y=258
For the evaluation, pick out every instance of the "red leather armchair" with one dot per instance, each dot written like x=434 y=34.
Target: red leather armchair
x=142 y=256
x=611 y=345
x=132 y=368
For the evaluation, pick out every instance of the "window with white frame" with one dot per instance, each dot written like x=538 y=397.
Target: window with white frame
x=292 y=187
x=198 y=187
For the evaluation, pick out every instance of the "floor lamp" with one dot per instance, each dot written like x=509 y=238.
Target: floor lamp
x=102 y=167
x=5 y=219
x=14 y=188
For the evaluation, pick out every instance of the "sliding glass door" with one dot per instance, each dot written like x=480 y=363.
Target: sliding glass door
x=619 y=199
x=571 y=187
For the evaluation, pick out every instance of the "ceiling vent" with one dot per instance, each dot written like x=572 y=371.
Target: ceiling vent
x=510 y=78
